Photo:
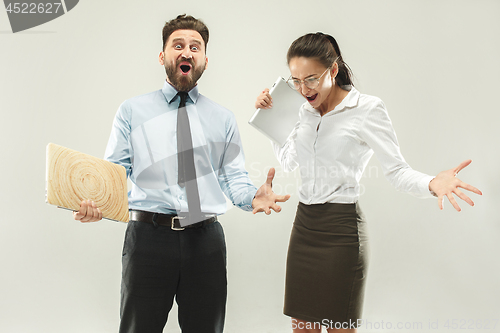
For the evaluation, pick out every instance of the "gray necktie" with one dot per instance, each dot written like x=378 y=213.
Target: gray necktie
x=185 y=158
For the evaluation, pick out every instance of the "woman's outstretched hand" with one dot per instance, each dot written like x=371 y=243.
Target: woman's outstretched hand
x=446 y=183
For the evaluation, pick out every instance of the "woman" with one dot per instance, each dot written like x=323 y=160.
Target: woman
x=338 y=131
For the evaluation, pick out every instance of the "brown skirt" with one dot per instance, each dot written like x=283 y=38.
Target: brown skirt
x=327 y=263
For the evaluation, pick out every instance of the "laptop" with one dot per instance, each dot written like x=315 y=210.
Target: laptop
x=278 y=122
x=72 y=177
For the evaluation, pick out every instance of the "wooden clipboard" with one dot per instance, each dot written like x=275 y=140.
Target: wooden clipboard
x=73 y=177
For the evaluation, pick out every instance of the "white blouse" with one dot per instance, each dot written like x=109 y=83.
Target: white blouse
x=332 y=151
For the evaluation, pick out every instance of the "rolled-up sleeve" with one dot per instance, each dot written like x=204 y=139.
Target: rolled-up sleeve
x=377 y=131
x=233 y=177
x=119 y=149
x=287 y=155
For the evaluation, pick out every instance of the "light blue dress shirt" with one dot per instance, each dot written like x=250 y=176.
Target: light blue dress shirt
x=143 y=140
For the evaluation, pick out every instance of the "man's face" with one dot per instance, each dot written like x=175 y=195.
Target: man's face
x=184 y=59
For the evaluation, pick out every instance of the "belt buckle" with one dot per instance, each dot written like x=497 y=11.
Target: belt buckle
x=172 y=226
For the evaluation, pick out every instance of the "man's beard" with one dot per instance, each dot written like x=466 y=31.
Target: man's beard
x=183 y=82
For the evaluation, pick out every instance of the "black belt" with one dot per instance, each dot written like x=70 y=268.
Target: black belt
x=172 y=221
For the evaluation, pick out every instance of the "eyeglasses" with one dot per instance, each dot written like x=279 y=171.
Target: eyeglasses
x=311 y=83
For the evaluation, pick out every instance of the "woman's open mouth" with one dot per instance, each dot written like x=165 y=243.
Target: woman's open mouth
x=311 y=98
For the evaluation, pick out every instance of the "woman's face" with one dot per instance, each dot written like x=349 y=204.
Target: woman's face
x=303 y=68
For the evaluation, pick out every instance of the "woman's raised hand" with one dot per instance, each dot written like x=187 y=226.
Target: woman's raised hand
x=264 y=100
x=446 y=183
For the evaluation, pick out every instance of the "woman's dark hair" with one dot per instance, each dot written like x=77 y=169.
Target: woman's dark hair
x=323 y=48
x=185 y=22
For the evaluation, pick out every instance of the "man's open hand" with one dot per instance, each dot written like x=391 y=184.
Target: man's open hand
x=265 y=199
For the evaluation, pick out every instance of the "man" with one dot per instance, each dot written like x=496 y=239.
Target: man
x=174 y=246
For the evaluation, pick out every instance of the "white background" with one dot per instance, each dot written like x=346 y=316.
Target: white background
x=433 y=62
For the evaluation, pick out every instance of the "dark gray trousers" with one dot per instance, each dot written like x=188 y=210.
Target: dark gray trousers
x=160 y=264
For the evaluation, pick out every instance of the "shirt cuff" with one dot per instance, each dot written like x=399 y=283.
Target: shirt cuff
x=247 y=203
x=425 y=192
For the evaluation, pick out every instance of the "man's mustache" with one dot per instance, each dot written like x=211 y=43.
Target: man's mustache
x=190 y=61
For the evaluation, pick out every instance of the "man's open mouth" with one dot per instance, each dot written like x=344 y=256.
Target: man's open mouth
x=185 y=68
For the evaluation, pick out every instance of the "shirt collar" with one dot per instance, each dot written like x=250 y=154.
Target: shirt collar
x=170 y=93
x=351 y=100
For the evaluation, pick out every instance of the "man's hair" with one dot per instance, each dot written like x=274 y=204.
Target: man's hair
x=185 y=22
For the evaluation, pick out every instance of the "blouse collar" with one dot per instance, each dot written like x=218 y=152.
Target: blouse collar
x=350 y=101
